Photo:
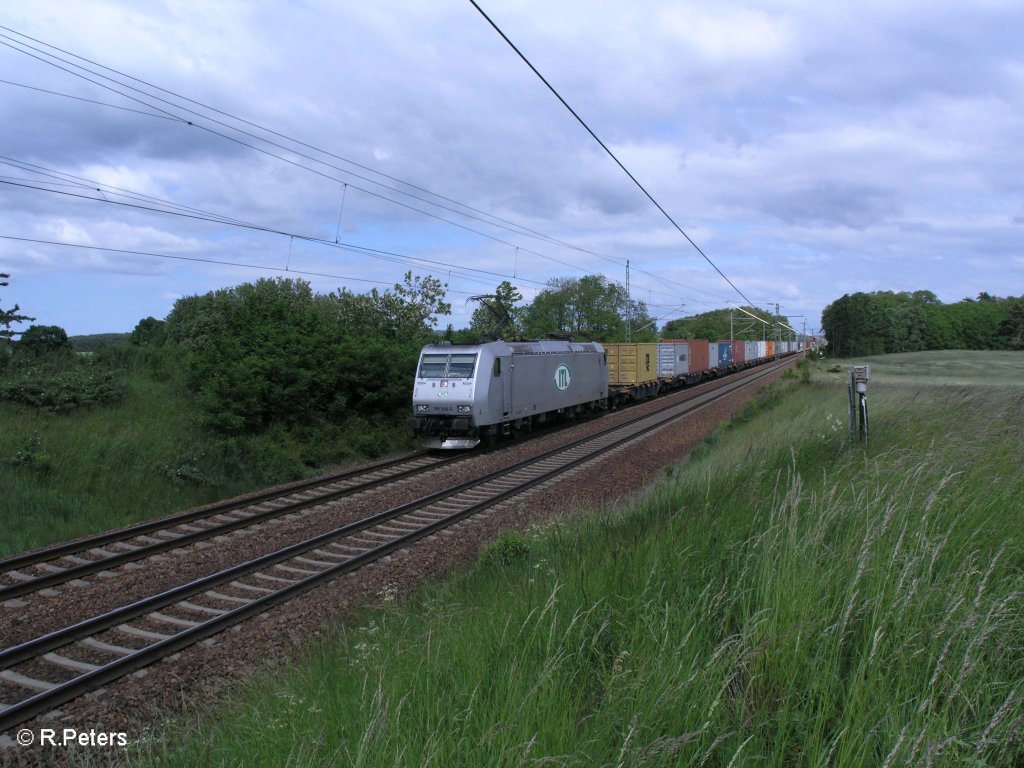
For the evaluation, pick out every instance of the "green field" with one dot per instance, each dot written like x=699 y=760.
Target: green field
x=788 y=597
x=994 y=368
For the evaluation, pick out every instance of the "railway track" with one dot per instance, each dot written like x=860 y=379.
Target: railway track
x=46 y=568
x=57 y=667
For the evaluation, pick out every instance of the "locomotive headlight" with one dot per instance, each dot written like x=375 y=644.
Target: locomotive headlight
x=421 y=409
x=465 y=409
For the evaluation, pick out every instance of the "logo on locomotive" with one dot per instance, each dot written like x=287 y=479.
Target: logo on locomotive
x=562 y=377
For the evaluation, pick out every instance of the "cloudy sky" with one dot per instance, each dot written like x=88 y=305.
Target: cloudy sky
x=151 y=150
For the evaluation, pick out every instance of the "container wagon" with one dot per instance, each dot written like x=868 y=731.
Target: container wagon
x=632 y=371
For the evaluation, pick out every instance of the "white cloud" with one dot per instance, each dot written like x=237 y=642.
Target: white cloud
x=809 y=149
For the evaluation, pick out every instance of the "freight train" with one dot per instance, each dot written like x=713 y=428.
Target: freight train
x=465 y=394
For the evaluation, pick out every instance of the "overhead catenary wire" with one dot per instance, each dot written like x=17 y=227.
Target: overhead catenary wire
x=611 y=154
x=351 y=247
x=175 y=209
x=281 y=135
x=406 y=261
x=518 y=229
x=200 y=215
x=201 y=259
x=501 y=223
x=123 y=108
x=388 y=199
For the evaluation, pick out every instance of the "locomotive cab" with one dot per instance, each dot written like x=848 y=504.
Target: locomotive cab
x=446 y=395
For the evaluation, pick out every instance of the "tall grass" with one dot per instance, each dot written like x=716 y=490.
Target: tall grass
x=68 y=474
x=787 y=598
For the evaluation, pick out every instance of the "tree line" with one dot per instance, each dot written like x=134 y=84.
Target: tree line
x=885 y=321
x=272 y=354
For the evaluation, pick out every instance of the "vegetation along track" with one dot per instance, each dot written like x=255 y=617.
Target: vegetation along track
x=35 y=678
x=46 y=568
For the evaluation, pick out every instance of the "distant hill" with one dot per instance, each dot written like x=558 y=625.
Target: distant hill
x=94 y=341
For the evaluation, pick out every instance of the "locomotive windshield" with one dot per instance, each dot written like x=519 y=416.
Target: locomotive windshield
x=447 y=366
x=433 y=366
x=461 y=366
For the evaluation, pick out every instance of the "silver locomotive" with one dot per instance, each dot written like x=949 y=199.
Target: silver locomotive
x=468 y=393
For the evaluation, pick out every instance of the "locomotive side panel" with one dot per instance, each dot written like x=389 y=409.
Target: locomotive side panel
x=554 y=381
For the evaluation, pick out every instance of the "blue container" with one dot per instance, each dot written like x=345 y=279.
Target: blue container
x=724 y=353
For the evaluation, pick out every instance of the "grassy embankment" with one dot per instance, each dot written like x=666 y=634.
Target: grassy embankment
x=146 y=454
x=785 y=598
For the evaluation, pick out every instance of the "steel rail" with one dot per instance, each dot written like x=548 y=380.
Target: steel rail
x=178 y=540
x=209 y=510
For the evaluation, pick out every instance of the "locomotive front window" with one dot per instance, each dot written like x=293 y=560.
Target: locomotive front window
x=433 y=366
x=461 y=366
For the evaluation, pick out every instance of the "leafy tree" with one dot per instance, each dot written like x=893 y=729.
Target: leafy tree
x=1012 y=329
x=498 y=315
x=256 y=353
x=409 y=311
x=9 y=317
x=149 y=332
x=884 y=321
x=44 y=341
x=588 y=308
x=93 y=342
x=855 y=325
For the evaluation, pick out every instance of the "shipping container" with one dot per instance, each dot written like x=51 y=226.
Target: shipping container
x=673 y=359
x=712 y=355
x=769 y=350
x=724 y=353
x=750 y=352
x=700 y=356
x=632 y=363
x=739 y=352
x=698 y=350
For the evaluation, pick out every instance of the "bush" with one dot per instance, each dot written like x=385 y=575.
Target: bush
x=62 y=391
x=273 y=353
x=508 y=548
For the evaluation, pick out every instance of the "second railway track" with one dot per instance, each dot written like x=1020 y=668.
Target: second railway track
x=49 y=567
